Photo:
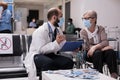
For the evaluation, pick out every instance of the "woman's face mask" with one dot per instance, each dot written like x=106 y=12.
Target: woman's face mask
x=87 y=23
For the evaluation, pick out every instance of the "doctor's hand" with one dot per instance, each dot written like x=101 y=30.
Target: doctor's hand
x=60 y=38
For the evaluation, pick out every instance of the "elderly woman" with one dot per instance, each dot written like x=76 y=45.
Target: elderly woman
x=96 y=44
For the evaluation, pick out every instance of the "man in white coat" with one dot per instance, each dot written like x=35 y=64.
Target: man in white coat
x=43 y=53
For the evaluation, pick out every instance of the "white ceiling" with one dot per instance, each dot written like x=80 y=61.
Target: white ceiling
x=46 y=2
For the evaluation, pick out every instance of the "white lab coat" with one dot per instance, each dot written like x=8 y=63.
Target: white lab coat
x=41 y=44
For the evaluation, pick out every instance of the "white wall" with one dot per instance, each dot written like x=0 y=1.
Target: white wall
x=21 y=22
x=32 y=7
x=47 y=7
x=22 y=25
x=108 y=11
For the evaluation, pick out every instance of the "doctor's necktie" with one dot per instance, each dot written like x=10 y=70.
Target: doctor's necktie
x=55 y=32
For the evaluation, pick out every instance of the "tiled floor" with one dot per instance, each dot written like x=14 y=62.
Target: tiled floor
x=25 y=78
x=15 y=79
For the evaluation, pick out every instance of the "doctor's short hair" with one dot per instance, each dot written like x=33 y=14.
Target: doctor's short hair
x=52 y=12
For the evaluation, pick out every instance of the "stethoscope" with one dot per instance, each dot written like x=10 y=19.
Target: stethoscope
x=51 y=33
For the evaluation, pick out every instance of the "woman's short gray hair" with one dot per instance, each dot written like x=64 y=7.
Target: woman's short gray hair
x=92 y=13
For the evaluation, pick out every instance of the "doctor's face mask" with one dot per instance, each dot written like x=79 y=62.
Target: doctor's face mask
x=61 y=21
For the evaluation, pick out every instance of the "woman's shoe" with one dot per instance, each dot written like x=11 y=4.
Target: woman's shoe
x=114 y=75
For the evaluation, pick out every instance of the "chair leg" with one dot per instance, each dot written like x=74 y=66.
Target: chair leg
x=40 y=78
x=40 y=75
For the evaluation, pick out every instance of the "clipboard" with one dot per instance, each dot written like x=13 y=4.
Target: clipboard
x=72 y=45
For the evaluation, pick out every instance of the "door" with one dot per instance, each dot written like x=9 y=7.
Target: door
x=67 y=12
x=33 y=14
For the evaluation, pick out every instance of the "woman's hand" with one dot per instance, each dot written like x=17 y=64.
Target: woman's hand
x=91 y=51
x=107 y=47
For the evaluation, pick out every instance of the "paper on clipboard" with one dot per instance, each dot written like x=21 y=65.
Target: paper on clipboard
x=71 y=45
